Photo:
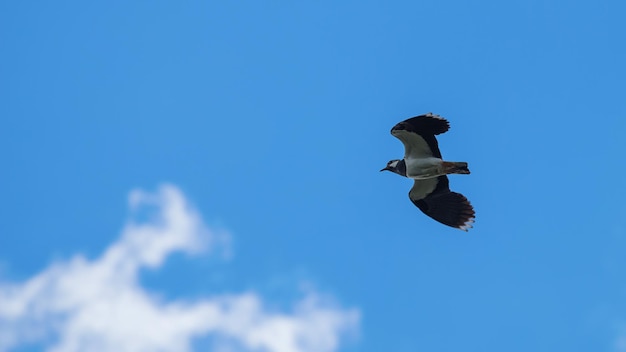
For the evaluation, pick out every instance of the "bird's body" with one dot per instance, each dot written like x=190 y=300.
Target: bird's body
x=423 y=168
x=423 y=163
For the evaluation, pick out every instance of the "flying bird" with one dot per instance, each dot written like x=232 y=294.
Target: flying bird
x=423 y=163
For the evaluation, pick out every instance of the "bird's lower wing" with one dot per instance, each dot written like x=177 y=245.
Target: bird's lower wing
x=434 y=198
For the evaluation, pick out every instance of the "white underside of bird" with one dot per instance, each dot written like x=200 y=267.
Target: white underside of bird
x=423 y=168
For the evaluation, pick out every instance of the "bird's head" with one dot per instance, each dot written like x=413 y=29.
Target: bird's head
x=392 y=166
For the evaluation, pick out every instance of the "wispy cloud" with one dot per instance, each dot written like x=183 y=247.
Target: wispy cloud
x=99 y=305
x=620 y=343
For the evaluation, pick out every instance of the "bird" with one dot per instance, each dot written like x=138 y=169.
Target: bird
x=423 y=163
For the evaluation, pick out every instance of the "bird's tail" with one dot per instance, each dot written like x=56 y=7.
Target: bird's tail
x=455 y=167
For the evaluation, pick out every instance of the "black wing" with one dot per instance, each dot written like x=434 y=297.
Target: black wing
x=447 y=207
x=418 y=135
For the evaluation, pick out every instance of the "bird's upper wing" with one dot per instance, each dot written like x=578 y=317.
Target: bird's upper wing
x=418 y=135
x=434 y=198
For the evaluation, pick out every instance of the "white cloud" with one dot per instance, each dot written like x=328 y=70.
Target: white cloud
x=99 y=305
x=619 y=345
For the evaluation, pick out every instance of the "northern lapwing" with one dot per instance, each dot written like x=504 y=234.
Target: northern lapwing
x=422 y=162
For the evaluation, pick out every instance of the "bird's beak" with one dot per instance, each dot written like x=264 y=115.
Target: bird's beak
x=386 y=168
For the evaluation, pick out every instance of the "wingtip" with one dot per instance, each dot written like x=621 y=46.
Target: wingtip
x=467 y=216
x=428 y=123
x=467 y=225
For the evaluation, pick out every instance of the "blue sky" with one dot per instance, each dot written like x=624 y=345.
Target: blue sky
x=272 y=120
